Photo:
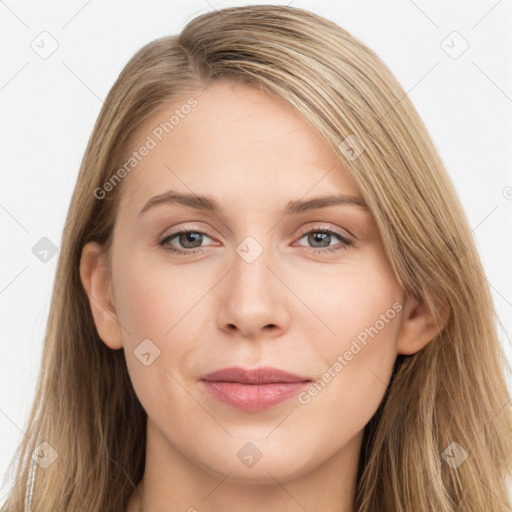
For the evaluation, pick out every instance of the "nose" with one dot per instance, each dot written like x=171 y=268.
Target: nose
x=252 y=299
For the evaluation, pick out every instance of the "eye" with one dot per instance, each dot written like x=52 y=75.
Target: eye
x=321 y=240
x=190 y=240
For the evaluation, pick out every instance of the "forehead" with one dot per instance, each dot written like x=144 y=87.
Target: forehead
x=236 y=140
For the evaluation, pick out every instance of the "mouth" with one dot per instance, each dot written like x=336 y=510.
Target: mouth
x=253 y=390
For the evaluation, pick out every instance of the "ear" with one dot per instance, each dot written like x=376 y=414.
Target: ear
x=419 y=326
x=97 y=283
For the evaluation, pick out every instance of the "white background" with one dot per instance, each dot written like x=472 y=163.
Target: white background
x=48 y=108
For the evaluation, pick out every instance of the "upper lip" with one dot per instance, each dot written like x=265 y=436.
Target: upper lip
x=262 y=375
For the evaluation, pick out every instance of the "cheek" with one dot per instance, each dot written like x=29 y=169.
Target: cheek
x=155 y=305
x=357 y=368
x=361 y=304
x=349 y=298
x=152 y=298
x=162 y=304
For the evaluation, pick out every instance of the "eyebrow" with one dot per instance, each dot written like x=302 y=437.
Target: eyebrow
x=209 y=204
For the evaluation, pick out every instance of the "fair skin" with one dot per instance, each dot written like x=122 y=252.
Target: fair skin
x=291 y=308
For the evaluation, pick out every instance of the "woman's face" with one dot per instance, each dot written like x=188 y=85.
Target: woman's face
x=253 y=285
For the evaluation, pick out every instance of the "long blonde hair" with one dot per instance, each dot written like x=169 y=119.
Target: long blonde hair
x=452 y=391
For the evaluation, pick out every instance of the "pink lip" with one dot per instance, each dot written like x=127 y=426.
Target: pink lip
x=253 y=390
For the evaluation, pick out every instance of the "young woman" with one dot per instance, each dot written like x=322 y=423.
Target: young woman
x=262 y=224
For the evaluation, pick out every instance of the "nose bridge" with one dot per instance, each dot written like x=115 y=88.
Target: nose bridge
x=251 y=275
x=251 y=299
x=251 y=249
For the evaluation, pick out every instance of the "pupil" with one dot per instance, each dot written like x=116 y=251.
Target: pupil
x=320 y=237
x=185 y=238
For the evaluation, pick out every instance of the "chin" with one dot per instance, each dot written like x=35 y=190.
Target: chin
x=265 y=471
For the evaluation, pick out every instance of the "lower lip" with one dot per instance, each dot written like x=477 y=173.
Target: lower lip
x=253 y=397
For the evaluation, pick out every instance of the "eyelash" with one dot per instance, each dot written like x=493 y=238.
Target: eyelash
x=164 y=243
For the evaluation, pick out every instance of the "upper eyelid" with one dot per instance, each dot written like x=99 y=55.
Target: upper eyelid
x=186 y=229
x=324 y=228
